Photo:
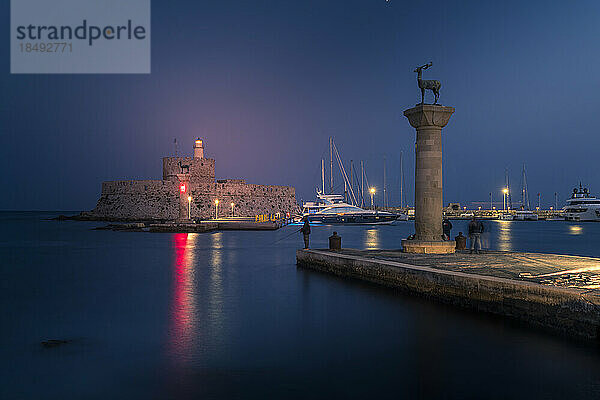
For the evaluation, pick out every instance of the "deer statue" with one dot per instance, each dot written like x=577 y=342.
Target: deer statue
x=434 y=86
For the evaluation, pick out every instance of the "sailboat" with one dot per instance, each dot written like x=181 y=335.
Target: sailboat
x=525 y=214
x=333 y=208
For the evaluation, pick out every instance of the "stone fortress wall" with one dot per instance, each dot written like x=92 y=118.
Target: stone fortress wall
x=164 y=199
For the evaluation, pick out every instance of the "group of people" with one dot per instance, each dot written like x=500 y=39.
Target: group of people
x=475 y=230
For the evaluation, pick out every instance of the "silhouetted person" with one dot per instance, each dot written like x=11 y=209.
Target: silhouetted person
x=475 y=231
x=447 y=228
x=305 y=232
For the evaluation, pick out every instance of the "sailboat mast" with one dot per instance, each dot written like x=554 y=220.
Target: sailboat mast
x=352 y=177
x=322 y=176
x=330 y=165
x=384 y=186
x=508 y=187
x=362 y=184
x=525 y=193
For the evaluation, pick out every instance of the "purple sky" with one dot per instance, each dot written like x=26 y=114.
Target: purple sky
x=266 y=83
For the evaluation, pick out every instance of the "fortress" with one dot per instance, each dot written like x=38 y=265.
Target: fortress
x=188 y=188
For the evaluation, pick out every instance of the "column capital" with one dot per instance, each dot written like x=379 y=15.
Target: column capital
x=428 y=115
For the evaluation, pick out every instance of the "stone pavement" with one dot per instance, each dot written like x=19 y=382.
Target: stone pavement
x=547 y=269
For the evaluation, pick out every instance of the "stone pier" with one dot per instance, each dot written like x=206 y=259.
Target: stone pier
x=555 y=292
x=428 y=120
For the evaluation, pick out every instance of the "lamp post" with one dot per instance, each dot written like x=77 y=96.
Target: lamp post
x=216 y=208
x=232 y=205
x=372 y=191
x=189 y=207
x=505 y=192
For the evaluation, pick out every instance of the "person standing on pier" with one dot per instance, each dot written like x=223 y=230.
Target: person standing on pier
x=305 y=232
x=475 y=231
x=447 y=228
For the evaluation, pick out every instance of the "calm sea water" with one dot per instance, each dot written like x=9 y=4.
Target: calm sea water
x=228 y=315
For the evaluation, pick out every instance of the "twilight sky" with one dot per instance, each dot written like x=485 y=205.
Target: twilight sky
x=265 y=83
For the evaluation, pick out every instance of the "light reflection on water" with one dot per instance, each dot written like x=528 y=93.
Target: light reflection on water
x=235 y=307
x=576 y=230
x=229 y=315
x=372 y=239
x=504 y=235
x=184 y=322
x=215 y=290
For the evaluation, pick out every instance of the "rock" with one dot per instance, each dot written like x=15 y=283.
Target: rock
x=54 y=342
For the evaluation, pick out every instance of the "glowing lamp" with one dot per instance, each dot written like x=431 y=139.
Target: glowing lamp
x=182 y=188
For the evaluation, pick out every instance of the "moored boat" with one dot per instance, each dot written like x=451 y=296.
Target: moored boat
x=331 y=209
x=525 y=215
x=582 y=206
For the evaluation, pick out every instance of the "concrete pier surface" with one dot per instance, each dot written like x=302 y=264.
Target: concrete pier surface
x=557 y=292
x=193 y=227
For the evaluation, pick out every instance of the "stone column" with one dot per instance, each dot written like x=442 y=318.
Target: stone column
x=428 y=120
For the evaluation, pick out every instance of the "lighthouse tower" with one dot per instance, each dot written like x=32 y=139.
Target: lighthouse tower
x=198 y=148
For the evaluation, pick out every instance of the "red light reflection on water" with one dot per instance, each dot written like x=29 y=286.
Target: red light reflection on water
x=183 y=309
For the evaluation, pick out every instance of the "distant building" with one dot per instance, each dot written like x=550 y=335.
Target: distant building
x=190 y=177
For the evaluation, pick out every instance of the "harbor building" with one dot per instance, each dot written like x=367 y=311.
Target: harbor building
x=188 y=188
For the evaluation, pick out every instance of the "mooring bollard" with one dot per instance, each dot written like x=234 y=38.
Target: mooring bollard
x=461 y=241
x=335 y=242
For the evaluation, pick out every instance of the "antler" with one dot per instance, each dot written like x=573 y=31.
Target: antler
x=424 y=66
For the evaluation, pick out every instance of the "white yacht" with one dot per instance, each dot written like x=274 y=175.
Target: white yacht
x=525 y=215
x=332 y=209
x=506 y=216
x=582 y=206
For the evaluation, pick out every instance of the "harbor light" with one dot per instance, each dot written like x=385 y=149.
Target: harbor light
x=216 y=208
x=505 y=193
x=189 y=207
x=232 y=205
x=372 y=191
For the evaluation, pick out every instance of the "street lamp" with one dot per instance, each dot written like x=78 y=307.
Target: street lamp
x=216 y=208
x=505 y=192
x=372 y=191
x=232 y=205
x=189 y=207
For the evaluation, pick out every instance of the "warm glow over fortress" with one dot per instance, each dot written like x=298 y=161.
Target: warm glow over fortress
x=188 y=183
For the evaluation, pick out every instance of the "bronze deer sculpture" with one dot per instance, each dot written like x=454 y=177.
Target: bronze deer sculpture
x=432 y=85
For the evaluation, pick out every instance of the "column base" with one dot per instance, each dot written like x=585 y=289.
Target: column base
x=428 y=247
